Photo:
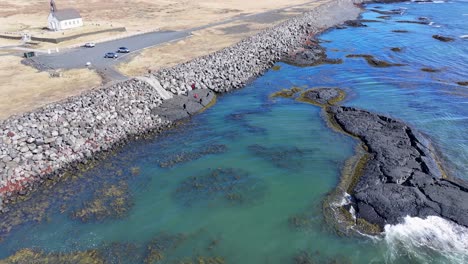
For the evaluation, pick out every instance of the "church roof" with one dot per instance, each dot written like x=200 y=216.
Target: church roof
x=66 y=14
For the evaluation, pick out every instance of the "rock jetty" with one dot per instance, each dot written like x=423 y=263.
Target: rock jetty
x=401 y=176
x=42 y=144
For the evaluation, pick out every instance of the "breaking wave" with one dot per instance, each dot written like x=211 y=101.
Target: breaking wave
x=430 y=240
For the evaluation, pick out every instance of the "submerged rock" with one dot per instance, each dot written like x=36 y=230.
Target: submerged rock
x=373 y=61
x=463 y=83
x=229 y=184
x=400 y=31
x=429 y=70
x=401 y=176
x=443 y=38
x=284 y=157
x=190 y=156
x=112 y=201
x=240 y=117
x=396 y=49
x=422 y=22
x=34 y=256
x=159 y=246
x=304 y=257
x=388 y=12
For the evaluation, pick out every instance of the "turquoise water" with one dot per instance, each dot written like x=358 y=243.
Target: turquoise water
x=258 y=198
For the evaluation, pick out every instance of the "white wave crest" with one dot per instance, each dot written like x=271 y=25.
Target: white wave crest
x=464 y=36
x=430 y=240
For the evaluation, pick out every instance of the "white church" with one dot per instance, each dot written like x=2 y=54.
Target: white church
x=64 y=18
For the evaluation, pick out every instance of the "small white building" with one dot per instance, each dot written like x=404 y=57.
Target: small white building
x=64 y=18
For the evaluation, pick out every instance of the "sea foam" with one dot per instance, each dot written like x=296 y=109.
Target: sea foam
x=430 y=240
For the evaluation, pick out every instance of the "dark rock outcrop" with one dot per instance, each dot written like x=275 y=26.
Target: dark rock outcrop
x=388 y=12
x=422 y=22
x=354 y=23
x=310 y=55
x=372 y=61
x=443 y=38
x=323 y=96
x=401 y=177
x=400 y=31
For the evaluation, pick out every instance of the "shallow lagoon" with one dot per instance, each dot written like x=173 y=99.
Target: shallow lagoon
x=264 y=211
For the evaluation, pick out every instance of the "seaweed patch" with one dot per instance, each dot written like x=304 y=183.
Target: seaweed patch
x=184 y=157
x=235 y=186
x=112 y=201
x=285 y=157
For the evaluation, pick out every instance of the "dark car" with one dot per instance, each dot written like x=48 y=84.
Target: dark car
x=111 y=55
x=123 y=50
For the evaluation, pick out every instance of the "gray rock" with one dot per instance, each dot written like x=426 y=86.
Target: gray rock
x=401 y=177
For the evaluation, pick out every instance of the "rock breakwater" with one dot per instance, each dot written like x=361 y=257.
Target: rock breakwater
x=42 y=144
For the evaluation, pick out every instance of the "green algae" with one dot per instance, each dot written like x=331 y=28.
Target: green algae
x=286 y=93
x=284 y=157
x=232 y=185
x=332 y=101
x=184 y=157
x=202 y=260
x=161 y=245
x=157 y=250
x=305 y=257
x=38 y=257
x=112 y=201
x=276 y=68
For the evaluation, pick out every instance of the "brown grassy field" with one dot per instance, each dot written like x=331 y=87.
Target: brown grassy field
x=24 y=89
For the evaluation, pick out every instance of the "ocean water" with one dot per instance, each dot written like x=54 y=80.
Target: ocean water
x=245 y=180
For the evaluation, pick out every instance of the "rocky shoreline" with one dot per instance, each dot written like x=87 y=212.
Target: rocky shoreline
x=41 y=145
x=401 y=175
x=396 y=174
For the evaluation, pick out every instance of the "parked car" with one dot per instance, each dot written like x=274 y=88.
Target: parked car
x=123 y=50
x=111 y=55
x=90 y=45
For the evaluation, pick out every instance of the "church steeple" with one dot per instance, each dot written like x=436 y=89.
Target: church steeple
x=53 y=7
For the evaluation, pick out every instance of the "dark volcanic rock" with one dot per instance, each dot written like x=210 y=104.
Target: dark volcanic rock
x=323 y=96
x=354 y=23
x=183 y=106
x=372 y=61
x=400 y=31
x=423 y=22
x=401 y=177
x=443 y=38
x=396 y=49
x=310 y=56
x=429 y=70
x=388 y=12
x=384 y=17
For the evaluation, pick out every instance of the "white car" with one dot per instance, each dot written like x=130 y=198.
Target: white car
x=90 y=45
